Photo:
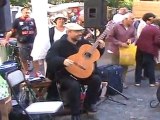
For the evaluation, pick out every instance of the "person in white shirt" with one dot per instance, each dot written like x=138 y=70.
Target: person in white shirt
x=119 y=16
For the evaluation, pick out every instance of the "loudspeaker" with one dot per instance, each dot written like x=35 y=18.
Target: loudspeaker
x=95 y=13
x=5 y=17
x=2 y=2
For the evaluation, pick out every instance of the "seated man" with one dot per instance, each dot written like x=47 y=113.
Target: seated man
x=58 y=62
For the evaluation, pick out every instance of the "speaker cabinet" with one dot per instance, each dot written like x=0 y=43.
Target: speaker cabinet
x=5 y=17
x=95 y=13
x=2 y=2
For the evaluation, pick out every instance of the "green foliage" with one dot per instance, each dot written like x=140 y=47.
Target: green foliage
x=120 y=3
x=126 y=3
x=113 y=3
x=19 y=2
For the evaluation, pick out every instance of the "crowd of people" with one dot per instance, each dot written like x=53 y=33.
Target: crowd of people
x=67 y=39
x=124 y=29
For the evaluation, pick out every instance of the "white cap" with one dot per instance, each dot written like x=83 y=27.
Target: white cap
x=73 y=26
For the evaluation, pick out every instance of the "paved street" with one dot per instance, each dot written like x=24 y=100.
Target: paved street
x=136 y=108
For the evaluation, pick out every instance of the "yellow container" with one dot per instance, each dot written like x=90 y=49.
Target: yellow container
x=127 y=55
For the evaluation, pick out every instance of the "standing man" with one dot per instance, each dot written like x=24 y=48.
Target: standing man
x=57 y=60
x=148 y=45
x=147 y=19
x=121 y=34
x=25 y=29
x=109 y=26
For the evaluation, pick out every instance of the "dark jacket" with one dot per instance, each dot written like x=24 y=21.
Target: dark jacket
x=59 y=51
x=51 y=34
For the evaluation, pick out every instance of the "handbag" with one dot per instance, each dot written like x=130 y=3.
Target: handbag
x=127 y=55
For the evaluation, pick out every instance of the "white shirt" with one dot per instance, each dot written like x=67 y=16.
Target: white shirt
x=118 y=18
x=141 y=25
x=58 y=34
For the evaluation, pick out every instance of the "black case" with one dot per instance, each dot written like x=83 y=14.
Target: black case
x=113 y=75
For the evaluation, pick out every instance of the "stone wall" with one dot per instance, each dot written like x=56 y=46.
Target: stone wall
x=141 y=7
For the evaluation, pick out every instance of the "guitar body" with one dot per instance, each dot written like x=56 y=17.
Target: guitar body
x=83 y=62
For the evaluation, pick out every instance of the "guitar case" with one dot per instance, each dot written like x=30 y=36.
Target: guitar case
x=113 y=75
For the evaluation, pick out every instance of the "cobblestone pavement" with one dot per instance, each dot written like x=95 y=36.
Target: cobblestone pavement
x=136 y=108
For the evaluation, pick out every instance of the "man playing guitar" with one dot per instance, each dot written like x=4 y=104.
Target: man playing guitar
x=63 y=55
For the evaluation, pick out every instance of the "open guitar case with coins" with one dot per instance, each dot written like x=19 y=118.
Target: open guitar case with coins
x=113 y=75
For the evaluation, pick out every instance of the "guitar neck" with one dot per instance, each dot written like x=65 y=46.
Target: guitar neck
x=94 y=46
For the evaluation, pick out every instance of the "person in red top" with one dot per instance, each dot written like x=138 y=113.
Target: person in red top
x=147 y=49
x=25 y=29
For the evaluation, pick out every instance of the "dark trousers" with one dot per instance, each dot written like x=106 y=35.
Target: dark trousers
x=147 y=60
x=73 y=90
x=53 y=94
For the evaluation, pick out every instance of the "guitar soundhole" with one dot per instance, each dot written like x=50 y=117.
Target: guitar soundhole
x=87 y=55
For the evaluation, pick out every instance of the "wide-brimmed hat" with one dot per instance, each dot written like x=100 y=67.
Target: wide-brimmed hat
x=60 y=16
x=73 y=26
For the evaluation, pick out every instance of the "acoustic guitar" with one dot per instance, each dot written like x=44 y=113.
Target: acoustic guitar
x=84 y=61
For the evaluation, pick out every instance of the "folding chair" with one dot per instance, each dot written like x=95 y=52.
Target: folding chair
x=15 y=78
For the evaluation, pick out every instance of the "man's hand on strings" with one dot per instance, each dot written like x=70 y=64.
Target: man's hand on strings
x=101 y=43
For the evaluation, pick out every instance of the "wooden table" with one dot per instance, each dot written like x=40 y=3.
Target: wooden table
x=40 y=88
